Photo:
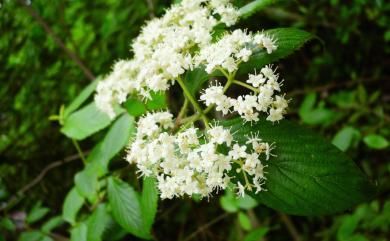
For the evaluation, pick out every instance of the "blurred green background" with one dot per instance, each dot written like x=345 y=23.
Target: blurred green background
x=339 y=86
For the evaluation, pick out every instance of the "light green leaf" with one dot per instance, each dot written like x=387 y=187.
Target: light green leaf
x=36 y=213
x=348 y=226
x=115 y=140
x=87 y=183
x=85 y=122
x=256 y=234
x=247 y=202
x=345 y=138
x=308 y=175
x=79 y=233
x=126 y=208
x=72 y=204
x=97 y=223
x=376 y=141
x=52 y=224
x=81 y=98
x=244 y=221
x=255 y=6
x=288 y=40
x=228 y=202
x=149 y=200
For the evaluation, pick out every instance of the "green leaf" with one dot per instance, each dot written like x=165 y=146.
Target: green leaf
x=86 y=121
x=376 y=141
x=247 y=202
x=126 y=208
x=308 y=175
x=244 y=221
x=345 y=138
x=135 y=107
x=97 y=223
x=255 y=6
x=86 y=182
x=31 y=236
x=157 y=102
x=115 y=140
x=228 y=202
x=81 y=98
x=195 y=78
x=79 y=233
x=288 y=40
x=149 y=200
x=256 y=234
x=348 y=226
x=52 y=224
x=36 y=213
x=6 y=223
x=72 y=204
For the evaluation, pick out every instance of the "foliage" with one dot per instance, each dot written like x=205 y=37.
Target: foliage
x=338 y=94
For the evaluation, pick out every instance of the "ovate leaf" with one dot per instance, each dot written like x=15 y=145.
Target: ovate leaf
x=79 y=233
x=81 y=98
x=52 y=224
x=256 y=234
x=149 y=200
x=288 y=40
x=376 y=141
x=307 y=175
x=345 y=138
x=244 y=221
x=87 y=183
x=72 y=204
x=37 y=213
x=126 y=208
x=85 y=122
x=97 y=223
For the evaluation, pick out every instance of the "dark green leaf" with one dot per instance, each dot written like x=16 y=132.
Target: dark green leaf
x=72 y=204
x=6 y=223
x=308 y=176
x=126 y=208
x=31 y=236
x=288 y=40
x=376 y=141
x=85 y=122
x=149 y=202
x=81 y=98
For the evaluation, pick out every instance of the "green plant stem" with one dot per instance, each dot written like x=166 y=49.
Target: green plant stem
x=183 y=109
x=79 y=151
x=237 y=82
x=193 y=102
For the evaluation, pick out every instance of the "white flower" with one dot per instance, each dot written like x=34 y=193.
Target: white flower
x=220 y=135
x=241 y=189
x=256 y=80
x=238 y=152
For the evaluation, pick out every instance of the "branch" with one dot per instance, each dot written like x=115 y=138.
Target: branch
x=290 y=227
x=57 y=40
x=207 y=225
x=37 y=179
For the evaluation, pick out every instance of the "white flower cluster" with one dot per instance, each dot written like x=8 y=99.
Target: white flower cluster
x=232 y=49
x=188 y=163
x=263 y=98
x=164 y=50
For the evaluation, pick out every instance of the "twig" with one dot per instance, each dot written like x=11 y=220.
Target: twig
x=37 y=179
x=57 y=40
x=207 y=225
x=290 y=227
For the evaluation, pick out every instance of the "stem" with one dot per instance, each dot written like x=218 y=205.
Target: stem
x=237 y=82
x=79 y=151
x=183 y=109
x=193 y=101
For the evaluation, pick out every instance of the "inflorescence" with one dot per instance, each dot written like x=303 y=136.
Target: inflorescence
x=189 y=161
